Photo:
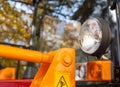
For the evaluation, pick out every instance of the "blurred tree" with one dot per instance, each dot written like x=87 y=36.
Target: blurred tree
x=15 y=26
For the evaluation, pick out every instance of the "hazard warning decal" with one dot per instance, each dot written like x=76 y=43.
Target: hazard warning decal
x=62 y=79
x=62 y=82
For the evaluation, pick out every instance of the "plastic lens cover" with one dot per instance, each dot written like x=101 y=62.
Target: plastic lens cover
x=90 y=36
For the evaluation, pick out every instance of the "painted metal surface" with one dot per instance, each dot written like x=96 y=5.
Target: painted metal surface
x=15 y=83
x=57 y=69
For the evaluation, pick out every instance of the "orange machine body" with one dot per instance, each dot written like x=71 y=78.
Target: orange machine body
x=7 y=73
x=57 y=68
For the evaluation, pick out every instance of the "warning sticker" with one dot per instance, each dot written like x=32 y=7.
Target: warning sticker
x=62 y=79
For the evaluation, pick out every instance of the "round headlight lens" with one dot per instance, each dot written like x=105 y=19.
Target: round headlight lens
x=90 y=36
x=95 y=36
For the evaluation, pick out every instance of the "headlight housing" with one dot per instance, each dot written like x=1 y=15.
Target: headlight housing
x=95 y=36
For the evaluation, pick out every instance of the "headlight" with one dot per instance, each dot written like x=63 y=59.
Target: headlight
x=95 y=36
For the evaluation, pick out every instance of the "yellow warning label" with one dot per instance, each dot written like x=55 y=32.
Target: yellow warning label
x=62 y=79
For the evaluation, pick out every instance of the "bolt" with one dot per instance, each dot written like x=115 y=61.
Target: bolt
x=67 y=60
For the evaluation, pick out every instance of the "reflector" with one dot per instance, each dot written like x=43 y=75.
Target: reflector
x=99 y=71
x=94 y=71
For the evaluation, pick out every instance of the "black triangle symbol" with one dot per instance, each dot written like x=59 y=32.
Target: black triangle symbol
x=62 y=82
